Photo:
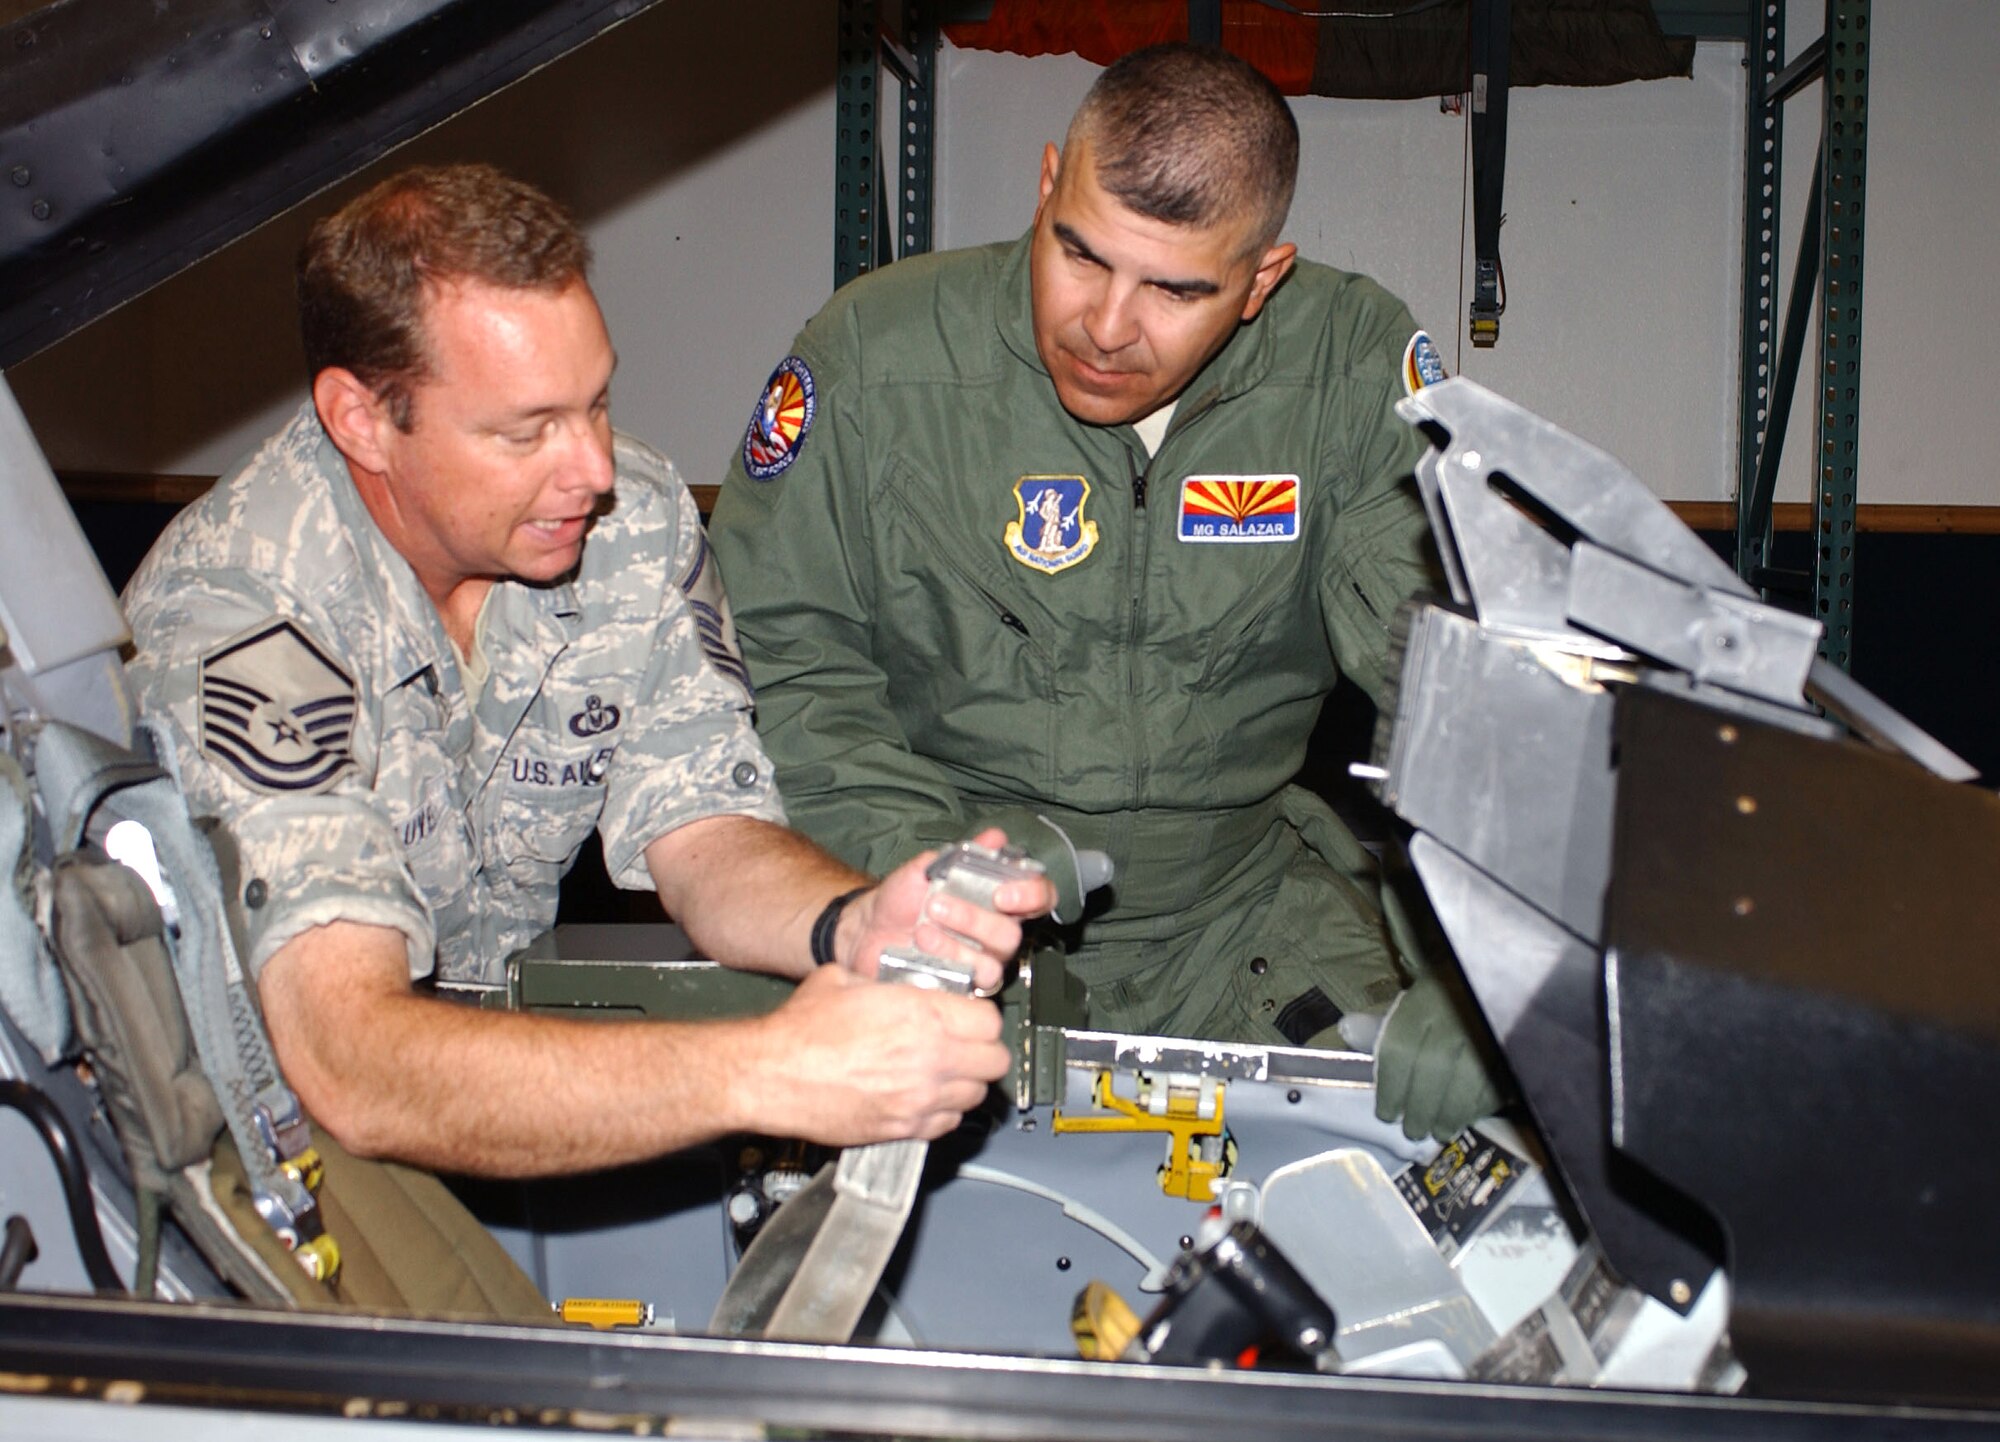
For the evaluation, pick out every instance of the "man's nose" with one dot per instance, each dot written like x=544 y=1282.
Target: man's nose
x=590 y=465
x=1110 y=320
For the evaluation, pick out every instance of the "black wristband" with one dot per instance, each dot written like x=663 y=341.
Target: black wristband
x=829 y=921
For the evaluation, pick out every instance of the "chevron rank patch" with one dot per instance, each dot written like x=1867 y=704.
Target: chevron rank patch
x=276 y=711
x=1240 y=509
x=702 y=585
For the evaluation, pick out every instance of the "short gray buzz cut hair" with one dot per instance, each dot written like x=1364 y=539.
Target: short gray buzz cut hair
x=1192 y=135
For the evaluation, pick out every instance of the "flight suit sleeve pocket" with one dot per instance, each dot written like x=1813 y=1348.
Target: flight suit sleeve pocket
x=1365 y=597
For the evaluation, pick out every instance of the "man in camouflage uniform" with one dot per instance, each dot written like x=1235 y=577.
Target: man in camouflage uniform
x=433 y=633
x=976 y=569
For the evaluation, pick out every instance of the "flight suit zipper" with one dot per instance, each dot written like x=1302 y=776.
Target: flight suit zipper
x=1141 y=536
x=1007 y=618
x=1136 y=588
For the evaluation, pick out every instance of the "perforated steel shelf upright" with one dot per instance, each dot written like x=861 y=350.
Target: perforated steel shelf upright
x=864 y=200
x=1830 y=251
x=1844 y=162
x=1763 y=173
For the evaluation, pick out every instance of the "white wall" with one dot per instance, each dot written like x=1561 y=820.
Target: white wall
x=1622 y=226
x=1931 y=287
x=1623 y=239
x=702 y=166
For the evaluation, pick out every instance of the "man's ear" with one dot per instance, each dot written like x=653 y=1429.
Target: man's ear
x=353 y=416
x=1274 y=267
x=1051 y=168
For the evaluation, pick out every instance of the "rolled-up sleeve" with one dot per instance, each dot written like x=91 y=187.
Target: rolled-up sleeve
x=314 y=845
x=691 y=750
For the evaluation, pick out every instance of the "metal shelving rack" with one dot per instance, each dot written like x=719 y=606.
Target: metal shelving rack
x=863 y=237
x=1830 y=249
x=1844 y=163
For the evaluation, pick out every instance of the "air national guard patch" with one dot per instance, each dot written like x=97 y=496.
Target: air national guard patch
x=276 y=711
x=1422 y=365
x=1051 y=534
x=1241 y=509
x=779 y=424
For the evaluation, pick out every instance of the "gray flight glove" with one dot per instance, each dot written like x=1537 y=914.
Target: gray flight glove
x=1074 y=873
x=1436 y=1068
x=1432 y=1070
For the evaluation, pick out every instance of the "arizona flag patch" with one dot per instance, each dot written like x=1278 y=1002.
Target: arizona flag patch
x=1422 y=365
x=1240 y=509
x=780 y=420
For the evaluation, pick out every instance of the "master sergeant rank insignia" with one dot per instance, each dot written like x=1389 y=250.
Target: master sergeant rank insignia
x=1051 y=533
x=276 y=711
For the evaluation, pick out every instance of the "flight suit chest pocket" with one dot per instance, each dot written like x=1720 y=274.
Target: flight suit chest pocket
x=1266 y=629
x=969 y=668
x=941 y=598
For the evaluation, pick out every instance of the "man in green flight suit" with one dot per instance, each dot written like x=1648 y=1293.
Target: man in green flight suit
x=1086 y=527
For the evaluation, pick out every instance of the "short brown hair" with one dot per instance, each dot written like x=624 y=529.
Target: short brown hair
x=363 y=270
x=1192 y=135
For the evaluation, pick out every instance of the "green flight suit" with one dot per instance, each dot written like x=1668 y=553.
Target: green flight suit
x=934 y=641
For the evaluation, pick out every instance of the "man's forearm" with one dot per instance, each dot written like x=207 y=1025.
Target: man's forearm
x=537 y=1096
x=746 y=891
x=395 y=1074
x=749 y=894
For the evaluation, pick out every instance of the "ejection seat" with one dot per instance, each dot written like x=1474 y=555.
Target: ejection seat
x=131 y=1045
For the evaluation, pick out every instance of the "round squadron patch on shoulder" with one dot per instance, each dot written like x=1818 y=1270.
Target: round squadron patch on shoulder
x=276 y=710
x=778 y=425
x=1422 y=365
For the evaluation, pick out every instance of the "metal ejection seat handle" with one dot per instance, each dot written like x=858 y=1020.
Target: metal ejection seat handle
x=809 y=1275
